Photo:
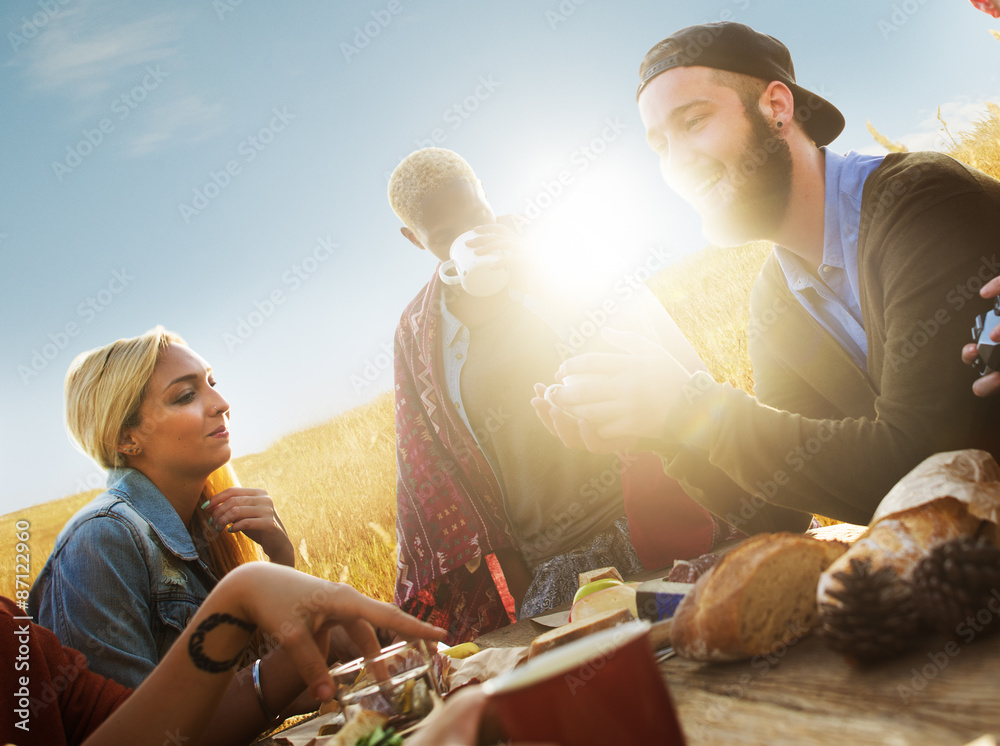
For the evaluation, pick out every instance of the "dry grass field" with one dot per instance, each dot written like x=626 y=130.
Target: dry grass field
x=334 y=485
x=708 y=295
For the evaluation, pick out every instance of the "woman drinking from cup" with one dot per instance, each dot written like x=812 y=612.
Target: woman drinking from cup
x=130 y=569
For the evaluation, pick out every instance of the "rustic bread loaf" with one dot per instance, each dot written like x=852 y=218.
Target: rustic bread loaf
x=759 y=595
x=900 y=541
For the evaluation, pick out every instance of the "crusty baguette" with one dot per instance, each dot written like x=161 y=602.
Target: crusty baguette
x=760 y=595
x=871 y=602
x=970 y=476
x=575 y=630
x=900 y=541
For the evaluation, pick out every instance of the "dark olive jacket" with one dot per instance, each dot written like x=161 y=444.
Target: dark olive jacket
x=823 y=436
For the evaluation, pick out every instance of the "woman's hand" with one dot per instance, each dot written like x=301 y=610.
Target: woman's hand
x=252 y=512
x=291 y=608
x=295 y=608
x=342 y=648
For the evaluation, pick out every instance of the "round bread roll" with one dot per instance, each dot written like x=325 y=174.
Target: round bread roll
x=761 y=595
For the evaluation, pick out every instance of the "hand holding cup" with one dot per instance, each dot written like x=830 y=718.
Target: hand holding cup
x=477 y=263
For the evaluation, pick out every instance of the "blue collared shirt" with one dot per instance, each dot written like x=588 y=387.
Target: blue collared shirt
x=833 y=298
x=123 y=579
x=455 y=349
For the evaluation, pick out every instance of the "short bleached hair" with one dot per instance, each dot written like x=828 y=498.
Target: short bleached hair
x=104 y=389
x=423 y=172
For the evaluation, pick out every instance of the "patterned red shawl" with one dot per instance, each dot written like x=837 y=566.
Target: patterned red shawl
x=449 y=504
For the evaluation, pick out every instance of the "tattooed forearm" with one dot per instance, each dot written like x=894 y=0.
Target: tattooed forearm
x=197 y=641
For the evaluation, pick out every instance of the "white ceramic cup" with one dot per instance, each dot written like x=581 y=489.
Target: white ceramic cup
x=480 y=275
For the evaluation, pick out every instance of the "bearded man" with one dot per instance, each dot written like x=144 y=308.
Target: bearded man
x=858 y=311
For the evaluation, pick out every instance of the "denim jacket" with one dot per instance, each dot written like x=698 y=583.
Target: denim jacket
x=123 y=579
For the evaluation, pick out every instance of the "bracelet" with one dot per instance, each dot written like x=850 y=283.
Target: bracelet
x=260 y=692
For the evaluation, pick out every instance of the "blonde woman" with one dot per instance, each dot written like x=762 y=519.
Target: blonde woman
x=130 y=569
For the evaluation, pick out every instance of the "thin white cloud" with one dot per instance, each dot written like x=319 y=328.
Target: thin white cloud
x=189 y=117
x=81 y=55
x=95 y=53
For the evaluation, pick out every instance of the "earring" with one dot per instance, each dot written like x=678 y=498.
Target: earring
x=780 y=125
x=132 y=450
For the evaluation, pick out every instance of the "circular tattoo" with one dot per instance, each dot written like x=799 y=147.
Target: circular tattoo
x=197 y=641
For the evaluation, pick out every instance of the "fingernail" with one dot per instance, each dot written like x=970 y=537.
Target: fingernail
x=211 y=522
x=205 y=504
x=231 y=530
x=324 y=693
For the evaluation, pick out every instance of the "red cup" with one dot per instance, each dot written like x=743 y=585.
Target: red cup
x=599 y=690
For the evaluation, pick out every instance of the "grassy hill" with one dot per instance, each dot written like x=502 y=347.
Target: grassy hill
x=334 y=485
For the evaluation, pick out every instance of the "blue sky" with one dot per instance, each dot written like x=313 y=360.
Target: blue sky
x=220 y=168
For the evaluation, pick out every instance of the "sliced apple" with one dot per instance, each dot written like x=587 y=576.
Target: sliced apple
x=594 y=586
x=619 y=596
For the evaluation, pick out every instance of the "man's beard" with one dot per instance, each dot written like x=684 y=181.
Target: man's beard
x=760 y=185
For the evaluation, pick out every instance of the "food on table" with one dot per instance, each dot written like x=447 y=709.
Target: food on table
x=688 y=571
x=403 y=683
x=578 y=629
x=481 y=667
x=600 y=574
x=595 y=585
x=866 y=597
x=845 y=532
x=331 y=705
x=658 y=599
x=761 y=595
x=616 y=597
x=361 y=725
x=379 y=737
x=463 y=650
x=928 y=559
x=956 y=581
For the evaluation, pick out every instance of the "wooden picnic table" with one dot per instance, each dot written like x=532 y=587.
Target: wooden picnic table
x=943 y=693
